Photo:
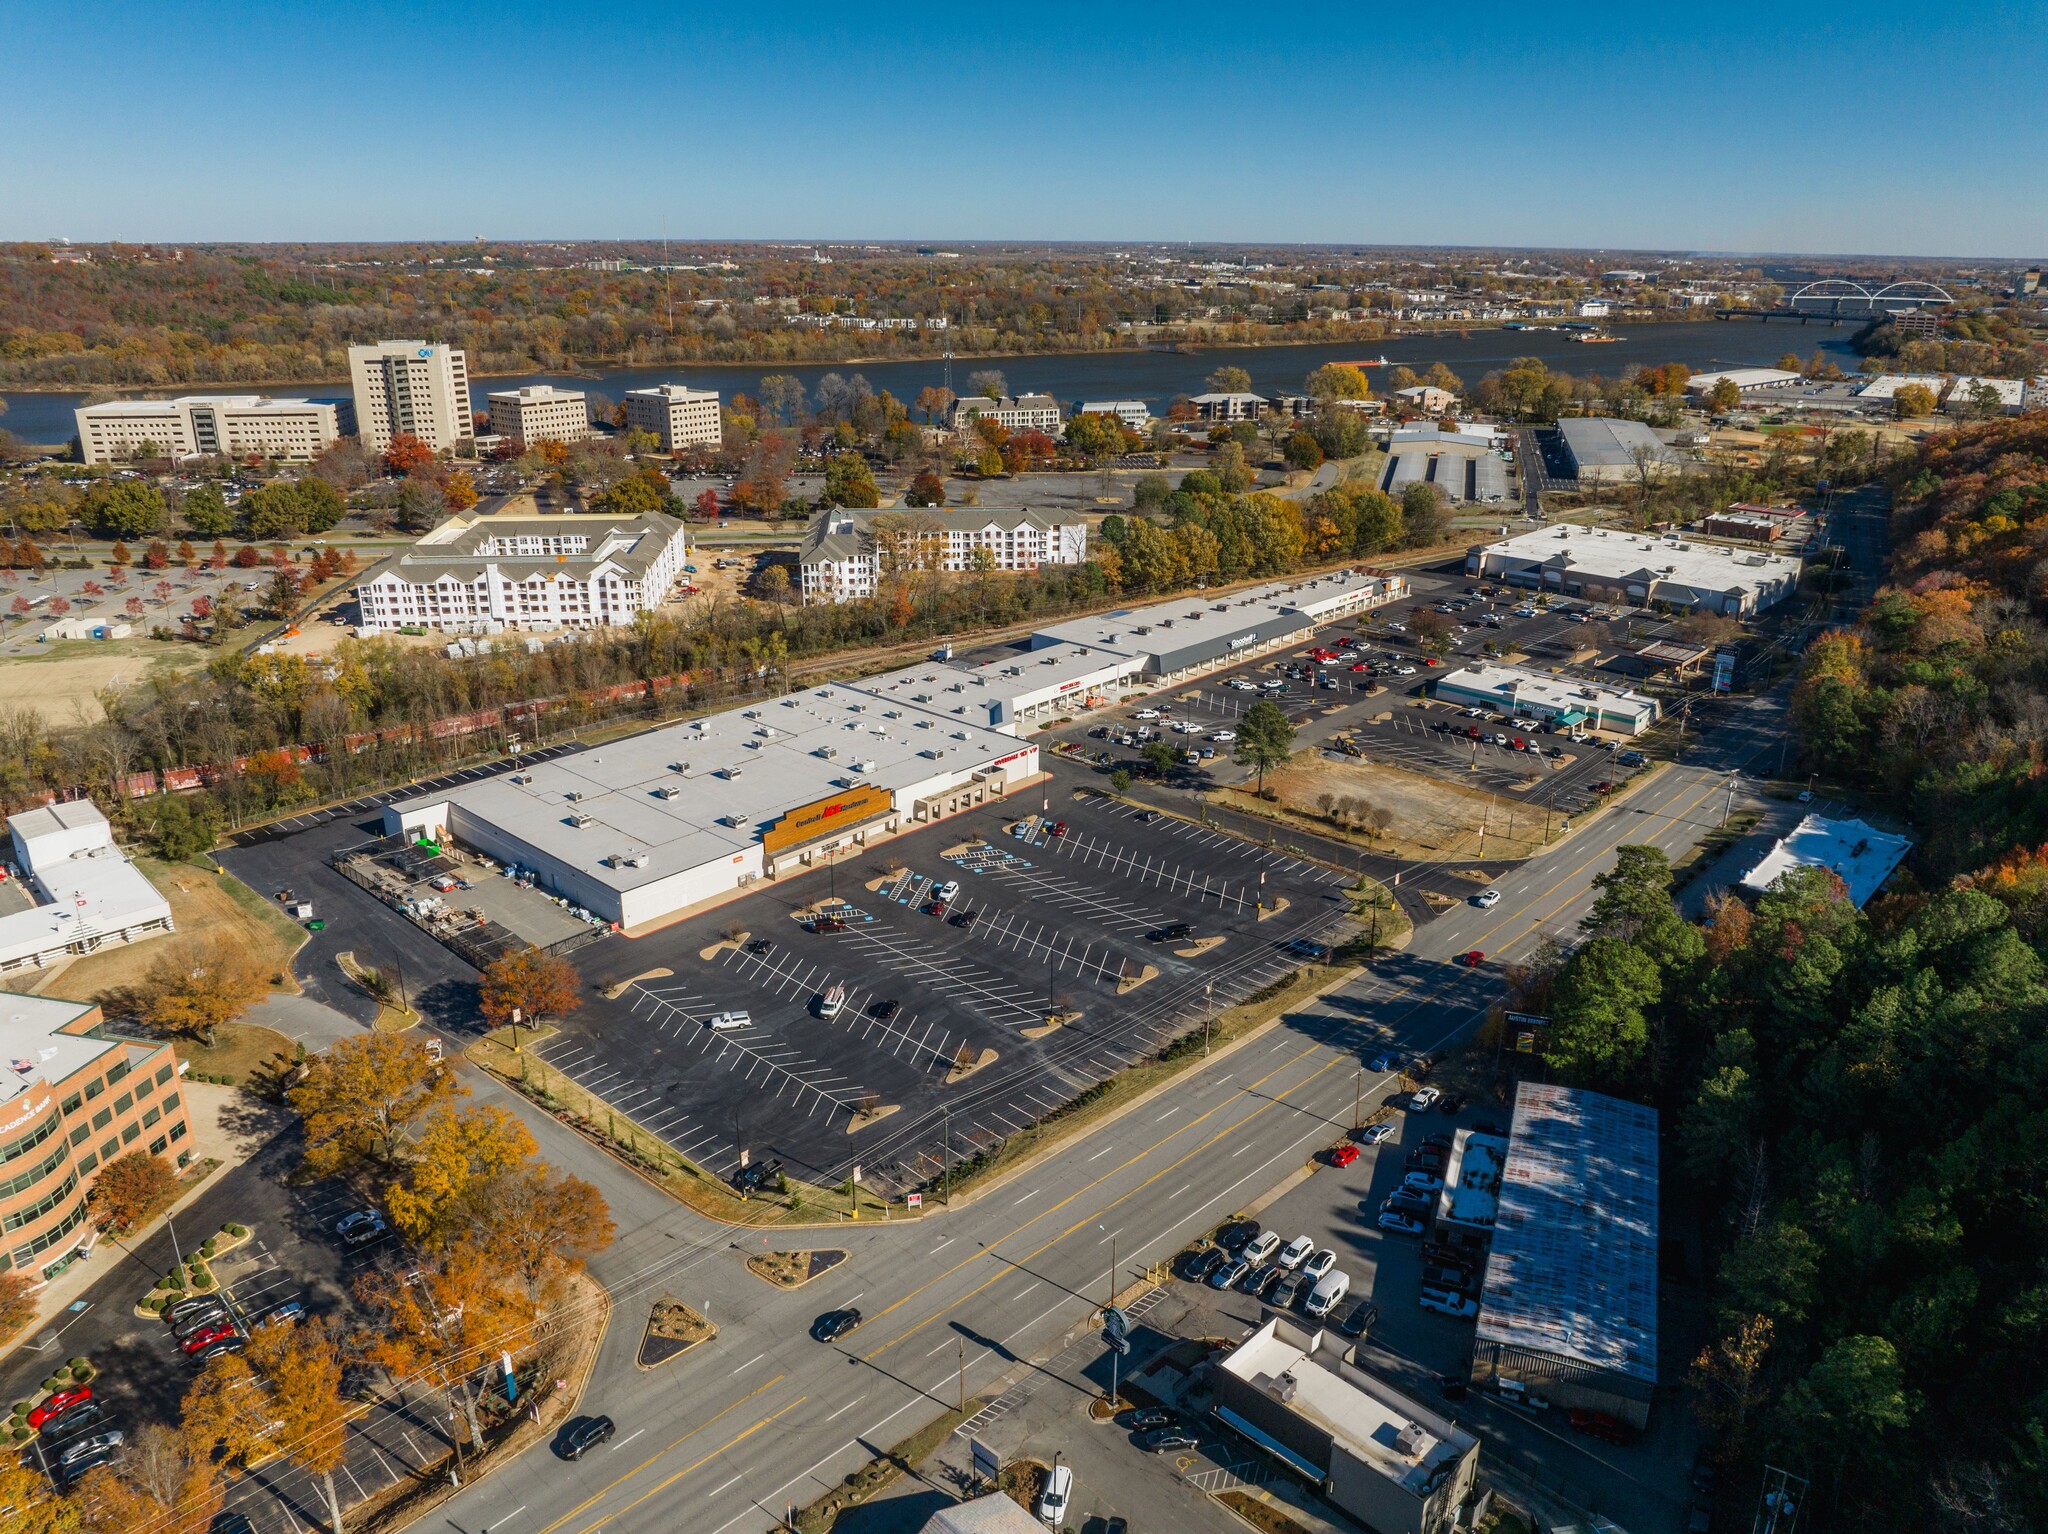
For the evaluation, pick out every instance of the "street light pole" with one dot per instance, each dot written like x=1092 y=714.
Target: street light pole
x=1208 y=1014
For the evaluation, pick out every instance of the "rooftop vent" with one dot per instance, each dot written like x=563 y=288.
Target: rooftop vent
x=678 y=766
x=667 y=792
x=573 y=795
x=580 y=822
x=829 y=753
x=735 y=819
x=932 y=753
x=863 y=766
x=728 y=773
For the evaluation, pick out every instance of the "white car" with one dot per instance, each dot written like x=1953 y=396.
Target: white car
x=1059 y=1491
x=1404 y=671
x=1424 y=1100
x=1422 y=1182
x=1400 y=1224
x=947 y=891
x=1276 y=685
x=1320 y=1264
x=1146 y=713
x=1329 y=1290
x=1448 y=1302
x=1261 y=1246
x=1486 y=900
x=722 y=1022
x=1224 y=737
x=1296 y=1253
x=1474 y=713
x=1377 y=1134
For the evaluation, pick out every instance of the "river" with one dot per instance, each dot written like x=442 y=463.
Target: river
x=1153 y=376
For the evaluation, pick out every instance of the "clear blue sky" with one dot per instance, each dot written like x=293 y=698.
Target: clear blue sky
x=1788 y=127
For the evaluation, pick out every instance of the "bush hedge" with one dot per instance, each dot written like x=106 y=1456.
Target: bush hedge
x=237 y=1231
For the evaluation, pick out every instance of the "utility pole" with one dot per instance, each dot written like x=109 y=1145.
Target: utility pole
x=946 y=1115
x=961 y=1344
x=1208 y=1013
x=1357 y=1097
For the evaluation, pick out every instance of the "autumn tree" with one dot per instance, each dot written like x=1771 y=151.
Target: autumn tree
x=459 y=494
x=1725 y=396
x=299 y=1367
x=197 y=985
x=538 y=1225
x=454 y=1149
x=437 y=1319
x=1913 y=401
x=531 y=985
x=934 y=401
x=166 y=1481
x=850 y=482
x=363 y=1093
x=926 y=489
x=17 y=1302
x=1337 y=380
x=406 y=454
x=1230 y=380
x=131 y=1191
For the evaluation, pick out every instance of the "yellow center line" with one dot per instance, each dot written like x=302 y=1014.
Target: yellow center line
x=662 y=1486
x=604 y=1490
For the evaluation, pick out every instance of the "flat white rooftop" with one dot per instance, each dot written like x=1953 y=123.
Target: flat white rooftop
x=1859 y=854
x=1515 y=686
x=1377 y=1424
x=31 y=1048
x=1196 y=618
x=1742 y=378
x=1887 y=385
x=727 y=775
x=1615 y=555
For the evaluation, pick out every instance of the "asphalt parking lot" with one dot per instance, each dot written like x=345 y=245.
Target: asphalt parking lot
x=1056 y=919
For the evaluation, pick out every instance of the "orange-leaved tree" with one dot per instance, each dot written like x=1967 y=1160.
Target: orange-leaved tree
x=407 y=453
x=531 y=983
x=132 y=1191
x=362 y=1093
x=299 y=1364
x=539 y=1226
x=453 y=1149
x=441 y=1320
x=166 y=1482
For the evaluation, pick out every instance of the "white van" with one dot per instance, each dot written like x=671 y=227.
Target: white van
x=1059 y=1491
x=723 y=1021
x=1329 y=1289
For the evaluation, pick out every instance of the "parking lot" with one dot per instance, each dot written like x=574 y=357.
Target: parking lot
x=1040 y=923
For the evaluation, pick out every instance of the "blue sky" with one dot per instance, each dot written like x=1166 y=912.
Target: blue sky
x=1873 y=128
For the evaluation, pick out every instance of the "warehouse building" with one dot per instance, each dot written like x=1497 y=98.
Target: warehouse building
x=1465 y=466
x=644 y=828
x=1377 y=1453
x=1854 y=851
x=1608 y=450
x=2008 y=395
x=1636 y=570
x=1885 y=387
x=73 y=1099
x=89 y=896
x=1748 y=380
x=1569 y=1305
x=1555 y=700
x=1173 y=640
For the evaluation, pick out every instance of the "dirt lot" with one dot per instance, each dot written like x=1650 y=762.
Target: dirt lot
x=1432 y=819
x=218 y=905
x=62 y=681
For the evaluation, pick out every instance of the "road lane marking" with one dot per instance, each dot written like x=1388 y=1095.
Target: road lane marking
x=662 y=1486
x=627 y=1439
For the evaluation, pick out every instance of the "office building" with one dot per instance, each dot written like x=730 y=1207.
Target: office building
x=413 y=387
x=1379 y=1454
x=1426 y=398
x=539 y=413
x=1228 y=407
x=1134 y=413
x=1023 y=412
x=88 y=895
x=1609 y=450
x=681 y=417
x=1525 y=694
x=846 y=553
x=1633 y=569
x=478 y=575
x=1569 y=1304
x=216 y=425
x=72 y=1099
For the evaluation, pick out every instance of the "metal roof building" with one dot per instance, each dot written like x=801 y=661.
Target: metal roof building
x=1857 y=853
x=1606 y=448
x=1570 y=1301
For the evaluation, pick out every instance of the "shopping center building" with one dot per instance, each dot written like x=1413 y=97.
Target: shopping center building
x=1608 y=565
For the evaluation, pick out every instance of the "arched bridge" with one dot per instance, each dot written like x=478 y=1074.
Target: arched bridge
x=1852 y=300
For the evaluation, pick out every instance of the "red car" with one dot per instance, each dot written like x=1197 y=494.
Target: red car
x=207 y=1338
x=1057 y=828
x=61 y=1401
x=1470 y=959
x=1344 y=1155
x=1361 y=666
x=1597 y=1424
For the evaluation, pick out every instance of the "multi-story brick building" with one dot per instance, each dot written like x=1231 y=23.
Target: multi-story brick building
x=72 y=1099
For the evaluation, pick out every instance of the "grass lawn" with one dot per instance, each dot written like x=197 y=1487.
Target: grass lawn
x=241 y=1050
x=216 y=904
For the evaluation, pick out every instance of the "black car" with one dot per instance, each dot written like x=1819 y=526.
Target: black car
x=761 y=947
x=965 y=920
x=579 y=1438
x=1237 y=1235
x=1172 y=932
x=1255 y=1280
x=198 y=1319
x=1359 y=1319
x=834 y=1324
x=1455 y=1103
x=1453 y=1388
x=1269 y=1278
x=1148 y=817
x=1208 y=1263
x=882 y=1011
x=68 y=1473
x=1164 y=1440
x=85 y=1416
x=234 y=1343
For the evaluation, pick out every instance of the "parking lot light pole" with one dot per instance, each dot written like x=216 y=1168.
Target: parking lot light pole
x=1208 y=1014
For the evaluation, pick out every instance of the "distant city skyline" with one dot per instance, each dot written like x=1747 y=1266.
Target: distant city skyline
x=1752 y=132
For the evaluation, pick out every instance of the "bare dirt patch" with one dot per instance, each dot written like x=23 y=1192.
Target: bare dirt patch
x=792 y=1270
x=1131 y=982
x=1433 y=819
x=965 y=1066
x=1200 y=946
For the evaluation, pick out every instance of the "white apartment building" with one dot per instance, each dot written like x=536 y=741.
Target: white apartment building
x=410 y=386
x=230 y=425
x=681 y=417
x=846 y=553
x=1134 y=413
x=481 y=574
x=540 y=413
x=1021 y=412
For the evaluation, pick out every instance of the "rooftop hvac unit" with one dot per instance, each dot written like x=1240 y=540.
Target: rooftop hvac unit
x=960 y=735
x=894 y=713
x=932 y=753
x=666 y=792
x=754 y=745
x=573 y=795
x=580 y=822
x=829 y=753
x=863 y=766
x=678 y=766
x=1414 y=1440
x=728 y=773
x=751 y=713
x=735 y=819
x=520 y=777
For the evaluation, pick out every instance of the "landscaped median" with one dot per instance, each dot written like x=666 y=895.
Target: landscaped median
x=69 y=1376
x=788 y=1202
x=195 y=1277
